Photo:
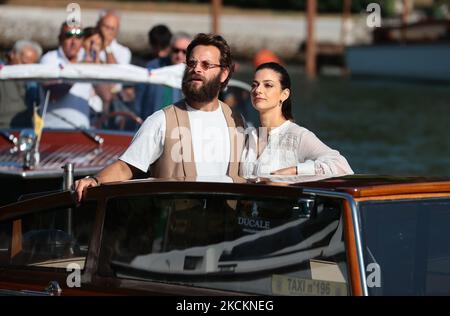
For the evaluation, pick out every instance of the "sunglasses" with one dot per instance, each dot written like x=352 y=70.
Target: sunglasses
x=203 y=64
x=178 y=50
x=78 y=33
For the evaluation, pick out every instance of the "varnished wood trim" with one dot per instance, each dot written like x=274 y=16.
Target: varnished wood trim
x=352 y=256
x=54 y=200
x=16 y=242
x=409 y=188
x=94 y=247
x=403 y=197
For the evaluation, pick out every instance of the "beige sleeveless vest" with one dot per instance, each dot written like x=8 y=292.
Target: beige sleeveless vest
x=177 y=159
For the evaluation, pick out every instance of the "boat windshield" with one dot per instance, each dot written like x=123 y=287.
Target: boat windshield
x=407 y=244
x=238 y=243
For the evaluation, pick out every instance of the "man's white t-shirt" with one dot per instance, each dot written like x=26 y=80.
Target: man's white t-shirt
x=210 y=141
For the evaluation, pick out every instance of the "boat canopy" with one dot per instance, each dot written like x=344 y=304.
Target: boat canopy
x=169 y=75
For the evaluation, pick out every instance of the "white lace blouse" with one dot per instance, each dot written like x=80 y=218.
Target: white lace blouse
x=291 y=145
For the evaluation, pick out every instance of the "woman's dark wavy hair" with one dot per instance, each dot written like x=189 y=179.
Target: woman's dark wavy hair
x=226 y=60
x=285 y=81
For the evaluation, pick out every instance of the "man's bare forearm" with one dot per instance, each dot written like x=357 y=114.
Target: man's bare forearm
x=117 y=171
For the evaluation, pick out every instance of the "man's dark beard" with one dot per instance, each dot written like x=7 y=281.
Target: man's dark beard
x=206 y=93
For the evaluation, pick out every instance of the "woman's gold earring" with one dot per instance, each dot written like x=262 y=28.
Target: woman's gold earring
x=281 y=103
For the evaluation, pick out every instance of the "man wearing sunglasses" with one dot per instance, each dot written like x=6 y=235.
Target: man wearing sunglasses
x=198 y=137
x=69 y=103
x=153 y=97
x=70 y=40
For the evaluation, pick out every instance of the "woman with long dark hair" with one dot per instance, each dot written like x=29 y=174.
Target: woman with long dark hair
x=280 y=146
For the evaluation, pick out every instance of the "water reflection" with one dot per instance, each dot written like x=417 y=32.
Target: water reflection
x=383 y=127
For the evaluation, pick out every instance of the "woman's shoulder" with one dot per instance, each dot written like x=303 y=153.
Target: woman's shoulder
x=295 y=128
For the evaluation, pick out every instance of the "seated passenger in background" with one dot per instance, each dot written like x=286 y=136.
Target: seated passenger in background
x=110 y=97
x=69 y=105
x=152 y=97
x=118 y=98
x=112 y=52
x=92 y=45
x=159 y=38
x=279 y=146
x=93 y=42
x=16 y=97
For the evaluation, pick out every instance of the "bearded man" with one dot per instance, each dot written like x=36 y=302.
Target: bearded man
x=199 y=136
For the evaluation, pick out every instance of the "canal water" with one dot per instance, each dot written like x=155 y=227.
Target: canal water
x=381 y=126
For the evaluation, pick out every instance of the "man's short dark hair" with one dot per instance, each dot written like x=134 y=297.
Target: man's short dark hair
x=226 y=59
x=159 y=37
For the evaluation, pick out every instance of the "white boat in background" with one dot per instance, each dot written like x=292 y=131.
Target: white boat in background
x=419 y=51
x=170 y=75
x=407 y=61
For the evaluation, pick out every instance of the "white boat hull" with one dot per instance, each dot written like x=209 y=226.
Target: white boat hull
x=409 y=61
